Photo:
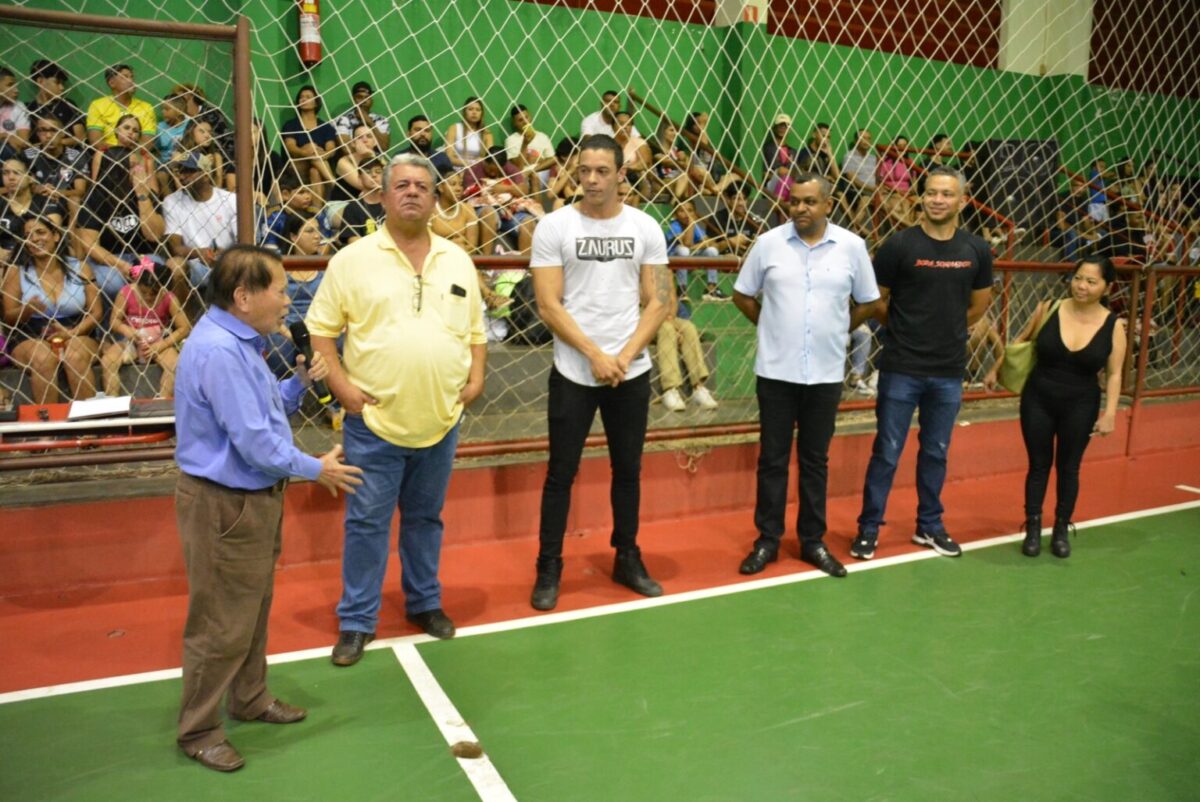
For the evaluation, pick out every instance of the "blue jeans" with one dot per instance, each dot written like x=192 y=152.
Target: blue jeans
x=681 y=278
x=413 y=479
x=939 y=399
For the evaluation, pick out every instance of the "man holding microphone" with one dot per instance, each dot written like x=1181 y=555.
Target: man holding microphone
x=235 y=454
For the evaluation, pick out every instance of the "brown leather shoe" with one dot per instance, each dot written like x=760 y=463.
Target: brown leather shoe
x=218 y=757
x=279 y=712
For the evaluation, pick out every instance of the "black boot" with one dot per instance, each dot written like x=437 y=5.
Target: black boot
x=1032 y=546
x=1060 y=545
x=628 y=570
x=545 y=589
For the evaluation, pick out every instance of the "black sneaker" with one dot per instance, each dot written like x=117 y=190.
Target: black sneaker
x=349 y=648
x=628 y=570
x=939 y=541
x=715 y=293
x=863 y=547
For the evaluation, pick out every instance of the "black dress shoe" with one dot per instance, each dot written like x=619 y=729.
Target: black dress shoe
x=545 y=589
x=278 y=712
x=349 y=648
x=630 y=571
x=218 y=757
x=757 y=560
x=819 y=556
x=434 y=622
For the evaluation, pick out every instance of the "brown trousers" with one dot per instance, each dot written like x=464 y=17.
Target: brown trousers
x=231 y=540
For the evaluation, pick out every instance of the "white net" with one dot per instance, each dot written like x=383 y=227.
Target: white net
x=718 y=105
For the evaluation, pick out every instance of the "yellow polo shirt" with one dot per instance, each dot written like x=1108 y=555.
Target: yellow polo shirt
x=104 y=112
x=407 y=347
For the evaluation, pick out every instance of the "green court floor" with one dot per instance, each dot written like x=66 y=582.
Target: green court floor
x=991 y=677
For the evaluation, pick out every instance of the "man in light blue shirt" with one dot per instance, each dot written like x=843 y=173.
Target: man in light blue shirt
x=235 y=453
x=796 y=286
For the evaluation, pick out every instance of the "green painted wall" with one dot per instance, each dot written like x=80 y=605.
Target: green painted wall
x=429 y=56
x=158 y=63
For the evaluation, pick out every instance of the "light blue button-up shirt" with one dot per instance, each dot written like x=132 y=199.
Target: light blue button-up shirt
x=805 y=292
x=231 y=423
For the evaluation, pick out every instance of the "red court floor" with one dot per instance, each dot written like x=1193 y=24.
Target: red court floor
x=69 y=636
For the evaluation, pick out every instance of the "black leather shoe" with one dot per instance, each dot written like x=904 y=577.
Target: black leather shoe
x=1060 y=541
x=1032 y=545
x=278 y=712
x=349 y=648
x=819 y=556
x=434 y=622
x=628 y=570
x=218 y=757
x=545 y=589
x=757 y=560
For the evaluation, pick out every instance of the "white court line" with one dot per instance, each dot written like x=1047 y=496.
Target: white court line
x=1188 y=488
x=590 y=612
x=480 y=771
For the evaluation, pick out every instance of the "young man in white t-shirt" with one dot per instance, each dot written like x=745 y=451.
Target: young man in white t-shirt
x=602 y=286
x=529 y=149
x=201 y=220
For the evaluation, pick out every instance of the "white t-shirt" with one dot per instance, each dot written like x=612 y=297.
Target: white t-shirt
x=540 y=147
x=602 y=264
x=13 y=117
x=346 y=124
x=595 y=123
x=202 y=225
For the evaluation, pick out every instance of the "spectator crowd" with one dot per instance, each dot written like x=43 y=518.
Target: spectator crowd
x=112 y=214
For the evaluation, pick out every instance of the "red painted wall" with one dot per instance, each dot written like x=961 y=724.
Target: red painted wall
x=1167 y=37
x=956 y=31
x=77 y=545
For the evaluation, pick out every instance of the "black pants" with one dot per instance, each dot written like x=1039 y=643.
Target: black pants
x=1056 y=418
x=811 y=409
x=571 y=409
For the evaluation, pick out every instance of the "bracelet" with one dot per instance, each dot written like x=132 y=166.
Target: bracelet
x=143 y=197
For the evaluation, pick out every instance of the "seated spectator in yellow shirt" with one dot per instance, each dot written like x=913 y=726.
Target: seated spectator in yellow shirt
x=105 y=112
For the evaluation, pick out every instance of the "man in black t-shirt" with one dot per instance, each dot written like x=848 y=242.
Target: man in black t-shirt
x=420 y=142
x=51 y=81
x=936 y=280
x=365 y=214
x=734 y=222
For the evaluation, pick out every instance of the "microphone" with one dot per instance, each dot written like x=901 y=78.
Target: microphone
x=304 y=345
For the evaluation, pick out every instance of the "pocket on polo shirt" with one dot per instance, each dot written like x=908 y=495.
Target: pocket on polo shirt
x=455 y=312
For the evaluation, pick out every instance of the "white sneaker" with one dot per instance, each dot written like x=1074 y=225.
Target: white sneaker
x=873 y=381
x=673 y=401
x=704 y=398
x=862 y=388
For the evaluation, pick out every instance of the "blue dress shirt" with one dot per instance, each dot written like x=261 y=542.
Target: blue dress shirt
x=231 y=423
x=805 y=290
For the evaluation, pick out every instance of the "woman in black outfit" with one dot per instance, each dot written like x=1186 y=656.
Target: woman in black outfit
x=1060 y=405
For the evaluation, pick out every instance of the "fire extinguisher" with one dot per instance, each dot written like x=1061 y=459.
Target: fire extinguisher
x=310 y=32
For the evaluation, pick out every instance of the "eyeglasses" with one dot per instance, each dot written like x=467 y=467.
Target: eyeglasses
x=418 y=291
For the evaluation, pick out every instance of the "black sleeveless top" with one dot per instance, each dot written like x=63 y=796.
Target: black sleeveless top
x=1076 y=369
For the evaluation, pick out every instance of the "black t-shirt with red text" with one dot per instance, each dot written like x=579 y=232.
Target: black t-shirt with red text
x=931 y=282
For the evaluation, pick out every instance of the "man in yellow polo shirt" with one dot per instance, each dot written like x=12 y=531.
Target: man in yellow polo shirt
x=414 y=355
x=104 y=112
